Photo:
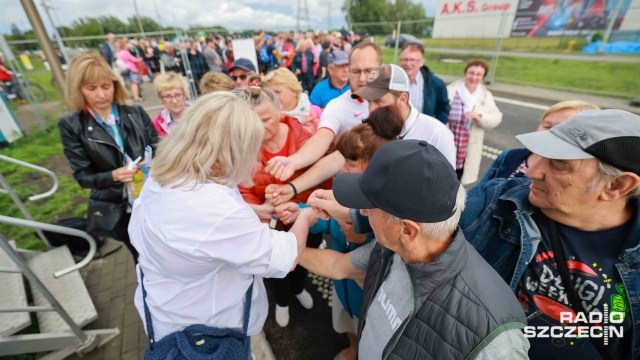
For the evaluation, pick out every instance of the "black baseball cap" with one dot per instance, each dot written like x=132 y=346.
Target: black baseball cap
x=612 y=136
x=410 y=179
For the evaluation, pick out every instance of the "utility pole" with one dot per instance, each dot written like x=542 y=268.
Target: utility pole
x=349 y=15
x=612 y=22
x=302 y=4
x=298 y=18
x=41 y=35
x=329 y=17
x=47 y=9
x=135 y=5
x=155 y=4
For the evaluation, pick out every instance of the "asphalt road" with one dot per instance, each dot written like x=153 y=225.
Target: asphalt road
x=310 y=335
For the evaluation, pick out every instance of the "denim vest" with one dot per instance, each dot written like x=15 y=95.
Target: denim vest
x=497 y=222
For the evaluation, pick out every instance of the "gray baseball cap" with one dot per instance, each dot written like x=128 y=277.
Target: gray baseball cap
x=409 y=179
x=338 y=57
x=612 y=136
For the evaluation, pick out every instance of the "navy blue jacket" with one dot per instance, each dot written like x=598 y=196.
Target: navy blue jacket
x=436 y=101
x=297 y=62
x=107 y=54
x=498 y=222
x=506 y=163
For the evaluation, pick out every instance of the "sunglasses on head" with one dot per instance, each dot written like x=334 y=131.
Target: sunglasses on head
x=241 y=77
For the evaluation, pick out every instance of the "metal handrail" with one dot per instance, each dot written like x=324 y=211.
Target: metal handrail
x=53 y=176
x=57 y=229
x=37 y=283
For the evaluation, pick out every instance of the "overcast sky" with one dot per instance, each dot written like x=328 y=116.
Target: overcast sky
x=232 y=14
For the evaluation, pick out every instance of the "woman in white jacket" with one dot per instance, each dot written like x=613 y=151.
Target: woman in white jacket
x=473 y=110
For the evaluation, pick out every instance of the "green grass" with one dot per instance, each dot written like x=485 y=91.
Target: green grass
x=70 y=199
x=543 y=44
x=615 y=79
x=550 y=44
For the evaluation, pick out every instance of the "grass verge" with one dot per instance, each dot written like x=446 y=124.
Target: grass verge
x=615 y=79
x=42 y=148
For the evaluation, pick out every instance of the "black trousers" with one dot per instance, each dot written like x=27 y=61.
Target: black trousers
x=293 y=283
x=307 y=81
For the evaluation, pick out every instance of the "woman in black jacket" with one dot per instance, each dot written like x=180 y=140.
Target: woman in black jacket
x=100 y=138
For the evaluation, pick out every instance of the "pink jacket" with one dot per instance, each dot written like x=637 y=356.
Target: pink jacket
x=129 y=59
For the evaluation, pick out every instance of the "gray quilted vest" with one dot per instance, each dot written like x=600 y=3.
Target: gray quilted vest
x=461 y=304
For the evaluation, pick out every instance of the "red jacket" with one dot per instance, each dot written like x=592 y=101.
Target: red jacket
x=296 y=138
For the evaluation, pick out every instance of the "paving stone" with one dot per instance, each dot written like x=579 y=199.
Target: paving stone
x=117 y=287
x=130 y=338
x=131 y=355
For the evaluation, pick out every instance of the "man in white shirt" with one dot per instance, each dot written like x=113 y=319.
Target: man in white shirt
x=388 y=85
x=340 y=115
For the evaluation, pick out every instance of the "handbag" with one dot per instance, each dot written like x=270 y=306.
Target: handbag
x=103 y=217
x=199 y=341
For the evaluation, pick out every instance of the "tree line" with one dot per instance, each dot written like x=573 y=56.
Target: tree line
x=362 y=11
x=100 y=26
x=357 y=11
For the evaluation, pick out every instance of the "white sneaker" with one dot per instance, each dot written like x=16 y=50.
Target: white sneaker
x=282 y=315
x=305 y=299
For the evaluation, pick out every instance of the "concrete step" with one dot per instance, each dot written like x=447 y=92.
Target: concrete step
x=13 y=294
x=69 y=290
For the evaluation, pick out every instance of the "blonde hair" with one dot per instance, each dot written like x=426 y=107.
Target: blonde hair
x=283 y=76
x=306 y=42
x=167 y=81
x=89 y=68
x=122 y=44
x=576 y=105
x=214 y=81
x=217 y=141
x=256 y=96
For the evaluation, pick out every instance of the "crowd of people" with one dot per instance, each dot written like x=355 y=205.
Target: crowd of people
x=248 y=177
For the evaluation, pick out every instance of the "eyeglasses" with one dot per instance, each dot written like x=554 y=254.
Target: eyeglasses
x=405 y=60
x=357 y=72
x=176 y=97
x=241 y=77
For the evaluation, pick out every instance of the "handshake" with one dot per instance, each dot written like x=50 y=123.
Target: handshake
x=322 y=205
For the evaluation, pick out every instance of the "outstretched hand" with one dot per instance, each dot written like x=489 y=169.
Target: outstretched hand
x=281 y=167
x=287 y=212
x=325 y=205
x=278 y=194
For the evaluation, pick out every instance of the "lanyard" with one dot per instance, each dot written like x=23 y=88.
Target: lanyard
x=111 y=122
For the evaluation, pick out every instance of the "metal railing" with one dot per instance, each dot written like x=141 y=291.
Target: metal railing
x=64 y=343
x=7 y=189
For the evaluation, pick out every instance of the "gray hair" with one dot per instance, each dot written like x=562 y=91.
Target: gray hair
x=443 y=229
x=606 y=174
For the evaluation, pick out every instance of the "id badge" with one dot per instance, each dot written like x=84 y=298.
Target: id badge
x=111 y=119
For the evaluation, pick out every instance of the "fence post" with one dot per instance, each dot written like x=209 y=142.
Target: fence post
x=607 y=33
x=56 y=34
x=395 y=53
x=45 y=43
x=496 y=52
x=187 y=67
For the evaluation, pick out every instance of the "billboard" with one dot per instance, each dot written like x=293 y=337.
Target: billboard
x=537 y=18
x=473 y=18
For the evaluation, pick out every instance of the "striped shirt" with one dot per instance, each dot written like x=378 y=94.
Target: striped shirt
x=416 y=92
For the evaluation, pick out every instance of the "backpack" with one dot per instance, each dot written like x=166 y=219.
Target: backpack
x=122 y=66
x=264 y=55
x=168 y=60
x=77 y=245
